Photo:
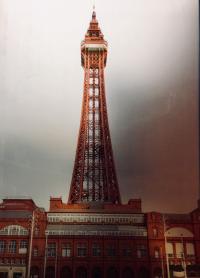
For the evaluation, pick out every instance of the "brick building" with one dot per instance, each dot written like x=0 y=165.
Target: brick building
x=96 y=241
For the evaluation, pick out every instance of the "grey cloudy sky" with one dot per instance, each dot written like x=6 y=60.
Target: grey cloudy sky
x=151 y=86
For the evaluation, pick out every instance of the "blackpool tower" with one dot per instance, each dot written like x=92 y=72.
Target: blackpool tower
x=94 y=176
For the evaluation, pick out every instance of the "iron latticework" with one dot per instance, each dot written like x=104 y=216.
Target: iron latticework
x=94 y=176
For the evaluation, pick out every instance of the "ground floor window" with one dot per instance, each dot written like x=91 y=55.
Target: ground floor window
x=81 y=272
x=66 y=272
x=50 y=272
x=112 y=273
x=143 y=273
x=34 y=272
x=3 y=274
x=127 y=273
x=97 y=273
x=17 y=275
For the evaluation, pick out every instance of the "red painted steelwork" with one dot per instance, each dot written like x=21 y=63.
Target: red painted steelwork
x=94 y=176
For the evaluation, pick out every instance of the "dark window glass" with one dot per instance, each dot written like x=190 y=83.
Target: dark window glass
x=141 y=251
x=126 y=252
x=111 y=251
x=12 y=247
x=51 y=249
x=23 y=244
x=96 y=250
x=2 y=246
x=82 y=250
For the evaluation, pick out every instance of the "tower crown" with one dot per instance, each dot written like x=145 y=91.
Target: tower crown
x=94 y=40
x=94 y=31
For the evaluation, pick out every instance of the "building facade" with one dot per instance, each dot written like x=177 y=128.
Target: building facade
x=96 y=241
x=94 y=235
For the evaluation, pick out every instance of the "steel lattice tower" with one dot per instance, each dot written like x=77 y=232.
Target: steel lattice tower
x=94 y=177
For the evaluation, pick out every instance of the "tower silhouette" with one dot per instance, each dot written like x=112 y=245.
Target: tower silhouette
x=94 y=176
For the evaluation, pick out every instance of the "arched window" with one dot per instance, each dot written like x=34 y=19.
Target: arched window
x=50 y=272
x=14 y=230
x=35 y=273
x=96 y=272
x=157 y=273
x=178 y=232
x=127 y=273
x=112 y=273
x=143 y=273
x=66 y=272
x=81 y=272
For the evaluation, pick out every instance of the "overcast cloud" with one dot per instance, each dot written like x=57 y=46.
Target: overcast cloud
x=151 y=87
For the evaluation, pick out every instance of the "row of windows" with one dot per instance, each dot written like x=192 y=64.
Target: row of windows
x=13 y=230
x=12 y=261
x=82 y=250
x=12 y=246
x=111 y=250
x=134 y=232
x=16 y=230
x=96 y=218
x=179 y=249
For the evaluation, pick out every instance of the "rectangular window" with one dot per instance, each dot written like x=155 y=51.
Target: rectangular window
x=12 y=247
x=127 y=252
x=82 y=250
x=35 y=252
x=96 y=92
x=141 y=251
x=2 y=246
x=37 y=231
x=96 y=250
x=66 y=250
x=170 y=251
x=157 y=253
x=51 y=249
x=155 y=232
x=23 y=244
x=190 y=249
x=179 y=250
x=111 y=251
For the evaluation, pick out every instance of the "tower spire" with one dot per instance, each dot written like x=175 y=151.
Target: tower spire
x=94 y=12
x=94 y=177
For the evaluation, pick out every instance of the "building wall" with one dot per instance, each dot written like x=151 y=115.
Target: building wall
x=115 y=256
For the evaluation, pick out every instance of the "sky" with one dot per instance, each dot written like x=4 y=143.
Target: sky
x=151 y=88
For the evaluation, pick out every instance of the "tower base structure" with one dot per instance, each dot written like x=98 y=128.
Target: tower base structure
x=133 y=205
